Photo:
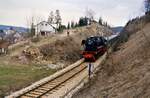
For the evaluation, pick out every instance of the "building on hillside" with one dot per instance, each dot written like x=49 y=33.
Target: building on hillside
x=2 y=34
x=4 y=46
x=44 y=29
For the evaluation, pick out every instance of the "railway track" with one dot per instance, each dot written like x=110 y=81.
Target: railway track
x=56 y=83
x=59 y=84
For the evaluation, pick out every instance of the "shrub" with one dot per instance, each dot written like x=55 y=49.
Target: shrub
x=35 y=39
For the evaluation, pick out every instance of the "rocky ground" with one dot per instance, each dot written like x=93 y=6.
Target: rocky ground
x=126 y=72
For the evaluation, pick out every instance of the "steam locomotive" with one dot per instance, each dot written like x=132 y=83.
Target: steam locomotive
x=93 y=47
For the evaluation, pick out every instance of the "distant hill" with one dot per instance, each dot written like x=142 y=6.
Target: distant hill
x=18 y=29
x=117 y=29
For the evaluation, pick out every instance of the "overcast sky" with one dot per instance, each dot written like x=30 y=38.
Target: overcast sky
x=115 y=12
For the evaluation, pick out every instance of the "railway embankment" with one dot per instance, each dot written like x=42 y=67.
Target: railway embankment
x=125 y=74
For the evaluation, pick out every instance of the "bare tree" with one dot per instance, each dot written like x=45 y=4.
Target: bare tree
x=58 y=19
x=38 y=19
x=90 y=14
x=32 y=21
x=51 y=18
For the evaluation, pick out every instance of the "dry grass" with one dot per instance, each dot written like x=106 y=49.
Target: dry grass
x=126 y=72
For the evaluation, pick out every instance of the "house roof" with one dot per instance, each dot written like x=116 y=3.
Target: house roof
x=45 y=22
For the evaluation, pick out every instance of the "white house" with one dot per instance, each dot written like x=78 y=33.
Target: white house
x=44 y=28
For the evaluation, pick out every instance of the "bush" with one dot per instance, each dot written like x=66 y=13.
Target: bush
x=35 y=39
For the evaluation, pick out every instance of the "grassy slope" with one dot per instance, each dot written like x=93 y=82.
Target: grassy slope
x=16 y=77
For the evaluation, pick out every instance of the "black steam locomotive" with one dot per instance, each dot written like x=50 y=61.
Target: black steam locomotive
x=93 y=47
